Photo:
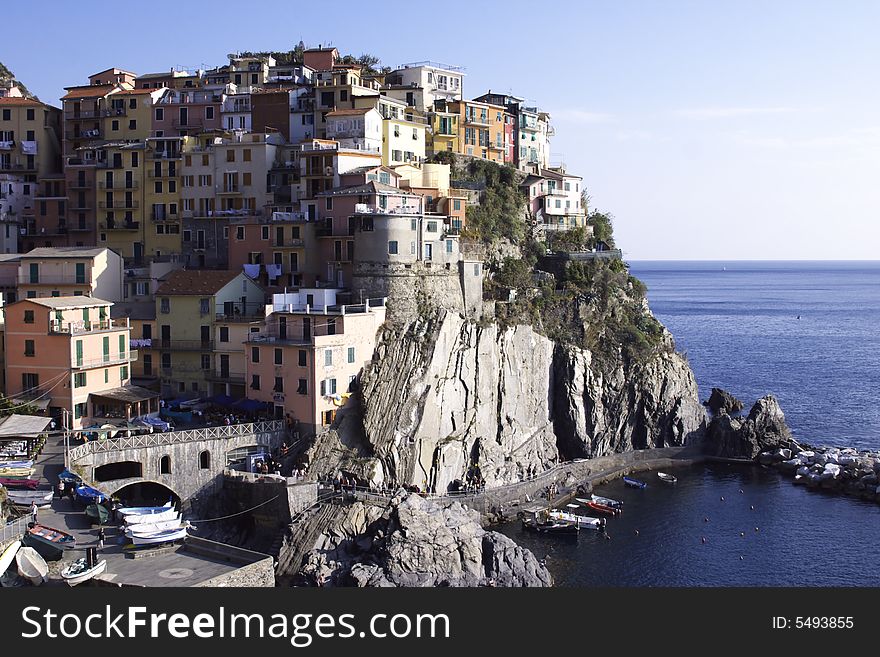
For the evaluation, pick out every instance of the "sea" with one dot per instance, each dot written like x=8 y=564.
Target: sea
x=806 y=332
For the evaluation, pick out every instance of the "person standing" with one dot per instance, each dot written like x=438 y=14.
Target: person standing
x=101 y=537
x=60 y=489
x=34 y=512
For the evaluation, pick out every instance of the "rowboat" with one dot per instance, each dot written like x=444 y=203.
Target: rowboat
x=141 y=510
x=607 y=501
x=166 y=536
x=50 y=536
x=167 y=514
x=98 y=514
x=89 y=495
x=69 y=477
x=583 y=522
x=550 y=527
x=17 y=473
x=31 y=565
x=79 y=571
x=666 y=477
x=152 y=527
x=602 y=508
x=634 y=483
x=19 y=483
x=8 y=555
x=16 y=464
x=29 y=497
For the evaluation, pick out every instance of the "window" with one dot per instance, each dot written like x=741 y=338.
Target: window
x=79 y=410
x=29 y=348
x=392 y=247
x=303 y=358
x=246 y=154
x=158 y=186
x=114 y=126
x=279 y=384
x=328 y=203
x=279 y=357
x=28 y=316
x=239 y=232
x=328 y=387
x=432 y=226
x=165 y=305
x=448 y=246
x=351 y=354
x=30 y=114
x=328 y=358
x=160 y=114
x=204 y=306
x=79 y=380
x=230 y=155
x=456 y=204
x=476 y=269
x=132 y=124
x=412 y=248
x=123 y=373
x=206 y=361
x=224 y=334
x=209 y=112
x=165 y=465
x=7 y=115
x=264 y=232
x=302 y=387
x=331 y=326
x=397 y=131
x=246 y=178
x=255 y=382
x=255 y=354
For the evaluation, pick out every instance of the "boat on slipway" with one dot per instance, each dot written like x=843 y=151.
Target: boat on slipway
x=155 y=538
x=152 y=527
x=49 y=542
x=29 y=497
x=126 y=511
x=18 y=484
x=8 y=555
x=152 y=518
x=80 y=571
x=31 y=565
x=88 y=495
x=583 y=522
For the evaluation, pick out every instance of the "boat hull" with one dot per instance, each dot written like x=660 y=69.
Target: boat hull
x=168 y=536
x=27 y=498
x=152 y=518
x=31 y=565
x=634 y=483
x=18 y=484
x=8 y=556
x=152 y=527
x=72 y=578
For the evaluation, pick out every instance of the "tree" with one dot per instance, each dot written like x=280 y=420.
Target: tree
x=603 y=227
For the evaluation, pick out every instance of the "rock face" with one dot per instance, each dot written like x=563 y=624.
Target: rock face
x=721 y=401
x=416 y=542
x=443 y=393
x=763 y=429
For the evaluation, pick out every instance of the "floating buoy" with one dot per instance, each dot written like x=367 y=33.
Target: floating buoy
x=705 y=520
x=756 y=529
x=742 y=533
x=637 y=532
x=740 y=491
x=752 y=507
x=703 y=540
x=741 y=558
x=722 y=498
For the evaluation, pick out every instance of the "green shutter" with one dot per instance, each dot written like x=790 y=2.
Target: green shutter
x=122 y=346
x=106 y=349
x=79 y=353
x=35 y=272
x=80 y=273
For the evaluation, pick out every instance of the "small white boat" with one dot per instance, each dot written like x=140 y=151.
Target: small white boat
x=126 y=511
x=584 y=522
x=8 y=555
x=153 y=527
x=31 y=565
x=79 y=571
x=668 y=478
x=167 y=536
x=152 y=518
x=28 y=497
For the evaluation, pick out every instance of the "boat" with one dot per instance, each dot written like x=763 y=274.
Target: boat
x=141 y=510
x=582 y=522
x=30 y=484
x=8 y=555
x=89 y=495
x=17 y=473
x=28 y=497
x=51 y=536
x=602 y=508
x=634 y=483
x=31 y=565
x=167 y=514
x=668 y=478
x=69 y=477
x=549 y=526
x=79 y=571
x=98 y=514
x=16 y=464
x=152 y=527
x=165 y=536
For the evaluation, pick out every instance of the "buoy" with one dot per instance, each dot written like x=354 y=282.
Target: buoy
x=756 y=529
x=722 y=498
x=637 y=532
x=740 y=491
x=741 y=558
x=705 y=520
x=703 y=540
x=752 y=507
x=742 y=533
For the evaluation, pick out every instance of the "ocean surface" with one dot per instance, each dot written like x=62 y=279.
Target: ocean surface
x=808 y=332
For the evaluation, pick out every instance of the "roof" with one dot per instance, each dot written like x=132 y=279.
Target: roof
x=136 y=92
x=195 y=281
x=23 y=425
x=16 y=101
x=321 y=49
x=367 y=169
x=372 y=187
x=550 y=173
x=138 y=310
x=128 y=394
x=64 y=252
x=88 y=91
x=531 y=179
x=58 y=303
x=350 y=112
x=10 y=257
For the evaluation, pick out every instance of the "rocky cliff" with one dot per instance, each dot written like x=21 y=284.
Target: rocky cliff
x=444 y=394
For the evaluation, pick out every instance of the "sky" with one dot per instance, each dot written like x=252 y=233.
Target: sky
x=709 y=130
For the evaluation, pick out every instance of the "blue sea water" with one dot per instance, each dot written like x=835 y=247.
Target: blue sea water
x=806 y=332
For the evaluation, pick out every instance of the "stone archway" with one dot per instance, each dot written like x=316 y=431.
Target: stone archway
x=146 y=493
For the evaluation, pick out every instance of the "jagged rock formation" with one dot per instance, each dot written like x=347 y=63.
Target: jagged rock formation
x=416 y=542
x=444 y=393
x=763 y=429
x=721 y=401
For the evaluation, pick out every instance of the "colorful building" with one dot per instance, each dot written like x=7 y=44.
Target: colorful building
x=71 y=271
x=428 y=82
x=481 y=130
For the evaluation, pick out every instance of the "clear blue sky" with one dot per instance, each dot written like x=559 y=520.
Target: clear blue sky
x=710 y=130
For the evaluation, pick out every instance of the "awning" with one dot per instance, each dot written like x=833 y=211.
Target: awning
x=42 y=404
x=19 y=426
x=221 y=400
x=249 y=405
x=126 y=394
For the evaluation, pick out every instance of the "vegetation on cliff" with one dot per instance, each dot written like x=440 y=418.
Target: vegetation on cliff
x=6 y=74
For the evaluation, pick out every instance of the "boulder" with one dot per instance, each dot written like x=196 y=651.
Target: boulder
x=763 y=429
x=722 y=402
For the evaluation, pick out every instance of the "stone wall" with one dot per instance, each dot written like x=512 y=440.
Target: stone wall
x=257 y=569
x=410 y=286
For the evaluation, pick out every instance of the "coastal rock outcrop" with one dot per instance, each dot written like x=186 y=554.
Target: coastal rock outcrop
x=444 y=393
x=418 y=542
x=721 y=401
x=764 y=428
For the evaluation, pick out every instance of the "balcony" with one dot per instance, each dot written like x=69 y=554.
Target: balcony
x=118 y=184
x=106 y=360
x=188 y=124
x=90 y=133
x=163 y=216
x=228 y=189
x=243 y=318
x=109 y=164
x=165 y=155
x=183 y=345
x=15 y=166
x=120 y=225
x=85 y=206
x=171 y=173
x=224 y=376
x=45 y=231
x=290 y=243
x=82 y=327
x=80 y=184
x=288 y=216
x=119 y=204
x=478 y=120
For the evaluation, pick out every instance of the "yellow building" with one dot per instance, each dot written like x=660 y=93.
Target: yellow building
x=162 y=197
x=443 y=133
x=120 y=181
x=403 y=141
x=129 y=114
x=29 y=138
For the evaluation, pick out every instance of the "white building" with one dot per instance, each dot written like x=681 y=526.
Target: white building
x=434 y=81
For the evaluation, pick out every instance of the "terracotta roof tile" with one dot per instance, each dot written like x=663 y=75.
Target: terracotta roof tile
x=88 y=91
x=349 y=112
x=20 y=102
x=195 y=281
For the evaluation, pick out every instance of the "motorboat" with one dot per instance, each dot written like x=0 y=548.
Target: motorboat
x=141 y=510
x=79 y=571
x=634 y=483
x=550 y=526
x=153 y=527
x=151 y=518
x=29 y=497
x=8 y=555
x=583 y=522
x=16 y=464
x=31 y=565
x=165 y=536
x=17 y=473
x=601 y=508
x=667 y=478
x=30 y=484
x=607 y=501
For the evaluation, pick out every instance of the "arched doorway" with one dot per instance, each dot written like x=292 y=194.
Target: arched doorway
x=146 y=493
x=119 y=470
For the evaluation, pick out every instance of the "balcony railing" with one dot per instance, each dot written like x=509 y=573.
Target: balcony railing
x=119 y=204
x=224 y=376
x=169 y=174
x=189 y=124
x=82 y=326
x=118 y=184
x=106 y=360
x=183 y=345
x=78 y=228
x=163 y=216
x=165 y=155
x=478 y=120
x=108 y=164
x=80 y=184
x=228 y=189
x=89 y=133
x=120 y=225
x=290 y=243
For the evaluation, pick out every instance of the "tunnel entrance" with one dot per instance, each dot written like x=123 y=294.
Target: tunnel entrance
x=146 y=493
x=119 y=470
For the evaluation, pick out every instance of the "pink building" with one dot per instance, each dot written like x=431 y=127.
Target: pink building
x=66 y=355
x=181 y=112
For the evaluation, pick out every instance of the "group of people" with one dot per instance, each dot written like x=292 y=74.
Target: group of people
x=269 y=466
